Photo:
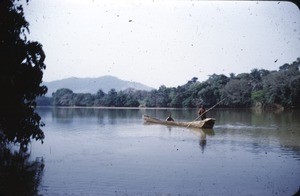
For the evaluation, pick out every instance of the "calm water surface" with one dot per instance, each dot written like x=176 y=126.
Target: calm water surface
x=113 y=152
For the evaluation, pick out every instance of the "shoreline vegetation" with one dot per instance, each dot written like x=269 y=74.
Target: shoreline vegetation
x=276 y=109
x=259 y=89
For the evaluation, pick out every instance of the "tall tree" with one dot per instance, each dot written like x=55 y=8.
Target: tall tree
x=63 y=97
x=237 y=93
x=21 y=72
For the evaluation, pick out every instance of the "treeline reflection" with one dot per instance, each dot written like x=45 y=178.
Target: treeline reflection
x=282 y=127
x=67 y=114
x=19 y=175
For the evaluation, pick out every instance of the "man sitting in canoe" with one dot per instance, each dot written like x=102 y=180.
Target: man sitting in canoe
x=169 y=118
x=202 y=112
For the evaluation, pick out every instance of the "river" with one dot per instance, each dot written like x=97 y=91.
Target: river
x=97 y=151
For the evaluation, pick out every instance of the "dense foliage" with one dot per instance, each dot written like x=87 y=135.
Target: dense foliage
x=66 y=97
x=22 y=62
x=259 y=87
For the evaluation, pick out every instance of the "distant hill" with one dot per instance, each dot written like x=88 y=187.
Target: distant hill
x=92 y=85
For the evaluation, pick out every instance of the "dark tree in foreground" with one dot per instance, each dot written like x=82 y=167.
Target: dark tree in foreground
x=21 y=72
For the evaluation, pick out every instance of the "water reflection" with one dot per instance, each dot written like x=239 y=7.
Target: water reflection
x=202 y=141
x=67 y=115
x=261 y=126
x=202 y=137
x=287 y=119
x=125 y=155
x=201 y=133
x=19 y=175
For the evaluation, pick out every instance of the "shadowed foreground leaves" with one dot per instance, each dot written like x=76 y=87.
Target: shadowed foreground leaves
x=21 y=65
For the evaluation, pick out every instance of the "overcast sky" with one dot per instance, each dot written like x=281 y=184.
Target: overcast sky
x=163 y=42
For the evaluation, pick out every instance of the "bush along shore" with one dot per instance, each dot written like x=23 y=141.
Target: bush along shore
x=260 y=89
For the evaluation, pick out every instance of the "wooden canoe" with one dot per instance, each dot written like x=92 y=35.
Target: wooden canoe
x=207 y=123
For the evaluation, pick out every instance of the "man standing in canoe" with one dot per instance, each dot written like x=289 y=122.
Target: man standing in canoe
x=201 y=112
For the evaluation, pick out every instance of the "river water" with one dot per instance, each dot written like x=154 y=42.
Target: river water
x=92 y=151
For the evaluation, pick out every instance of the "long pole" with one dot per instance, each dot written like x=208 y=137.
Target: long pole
x=206 y=112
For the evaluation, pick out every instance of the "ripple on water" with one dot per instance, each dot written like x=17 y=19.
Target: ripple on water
x=245 y=127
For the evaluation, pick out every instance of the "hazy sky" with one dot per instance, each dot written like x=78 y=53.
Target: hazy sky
x=163 y=42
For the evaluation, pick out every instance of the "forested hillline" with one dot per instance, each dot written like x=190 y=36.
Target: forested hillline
x=260 y=88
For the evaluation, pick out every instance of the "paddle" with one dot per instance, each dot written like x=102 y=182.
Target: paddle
x=206 y=112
